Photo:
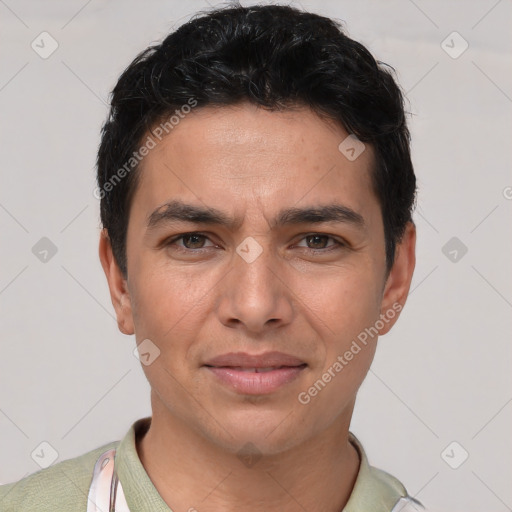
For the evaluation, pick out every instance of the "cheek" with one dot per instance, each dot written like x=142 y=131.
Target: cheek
x=169 y=294
x=346 y=301
x=332 y=392
x=350 y=346
x=348 y=308
x=349 y=352
x=170 y=309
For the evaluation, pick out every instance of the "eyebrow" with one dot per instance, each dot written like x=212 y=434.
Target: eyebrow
x=178 y=211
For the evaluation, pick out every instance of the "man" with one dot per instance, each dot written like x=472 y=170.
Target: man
x=256 y=193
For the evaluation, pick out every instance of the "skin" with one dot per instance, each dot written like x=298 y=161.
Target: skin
x=197 y=298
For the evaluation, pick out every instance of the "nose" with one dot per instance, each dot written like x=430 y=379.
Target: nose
x=253 y=296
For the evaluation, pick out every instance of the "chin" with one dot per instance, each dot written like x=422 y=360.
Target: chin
x=265 y=432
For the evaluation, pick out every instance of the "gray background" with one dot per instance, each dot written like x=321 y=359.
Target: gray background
x=68 y=377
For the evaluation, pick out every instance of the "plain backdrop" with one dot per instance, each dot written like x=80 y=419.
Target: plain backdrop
x=440 y=386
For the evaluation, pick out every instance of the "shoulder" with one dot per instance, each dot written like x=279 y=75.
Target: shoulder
x=61 y=487
x=384 y=481
x=376 y=490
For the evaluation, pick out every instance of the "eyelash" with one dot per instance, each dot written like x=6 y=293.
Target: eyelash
x=337 y=243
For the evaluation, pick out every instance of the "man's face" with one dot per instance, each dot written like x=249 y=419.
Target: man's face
x=282 y=273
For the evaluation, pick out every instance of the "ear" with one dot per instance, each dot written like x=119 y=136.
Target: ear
x=117 y=285
x=399 y=279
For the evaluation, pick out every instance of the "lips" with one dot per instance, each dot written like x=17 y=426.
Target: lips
x=255 y=374
x=255 y=370
x=257 y=361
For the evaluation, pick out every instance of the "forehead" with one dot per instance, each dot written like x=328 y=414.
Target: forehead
x=231 y=156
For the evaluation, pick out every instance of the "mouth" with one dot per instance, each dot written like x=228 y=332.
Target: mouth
x=255 y=374
x=255 y=369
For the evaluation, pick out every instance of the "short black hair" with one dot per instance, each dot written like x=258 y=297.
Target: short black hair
x=276 y=57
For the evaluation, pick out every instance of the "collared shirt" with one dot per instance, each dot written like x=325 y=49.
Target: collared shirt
x=65 y=486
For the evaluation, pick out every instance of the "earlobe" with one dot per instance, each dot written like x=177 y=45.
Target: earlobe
x=117 y=285
x=399 y=280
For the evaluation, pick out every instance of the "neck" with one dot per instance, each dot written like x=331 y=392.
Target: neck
x=192 y=473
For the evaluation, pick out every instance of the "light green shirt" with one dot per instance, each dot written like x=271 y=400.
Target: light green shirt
x=64 y=487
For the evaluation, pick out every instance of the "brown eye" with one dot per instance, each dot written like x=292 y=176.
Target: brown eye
x=317 y=241
x=193 y=241
x=320 y=243
x=189 y=241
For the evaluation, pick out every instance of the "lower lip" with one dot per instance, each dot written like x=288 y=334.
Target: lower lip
x=252 y=383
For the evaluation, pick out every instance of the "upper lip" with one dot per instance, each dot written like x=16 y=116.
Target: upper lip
x=245 y=360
